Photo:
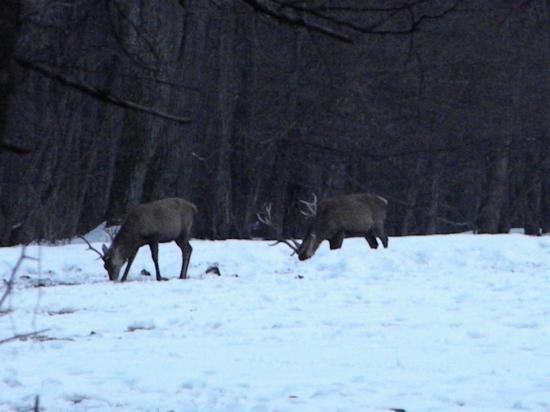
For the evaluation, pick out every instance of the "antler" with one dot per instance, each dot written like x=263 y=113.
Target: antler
x=101 y=255
x=111 y=232
x=311 y=207
x=265 y=218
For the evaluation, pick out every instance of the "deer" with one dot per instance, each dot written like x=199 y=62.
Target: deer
x=334 y=218
x=160 y=221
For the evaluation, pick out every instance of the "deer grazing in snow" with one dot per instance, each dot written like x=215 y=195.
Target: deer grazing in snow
x=151 y=223
x=354 y=215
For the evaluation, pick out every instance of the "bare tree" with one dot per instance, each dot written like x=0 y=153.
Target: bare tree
x=4 y=297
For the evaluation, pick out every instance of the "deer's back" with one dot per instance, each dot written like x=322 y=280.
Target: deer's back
x=355 y=212
x=163 y=220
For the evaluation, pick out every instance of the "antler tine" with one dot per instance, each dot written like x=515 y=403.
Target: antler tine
x=266 y=219
x=286 y=242
x=311 y=207
x=111 y=233
x=101 y=255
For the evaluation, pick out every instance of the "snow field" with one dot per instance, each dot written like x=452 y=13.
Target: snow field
x=434 y=323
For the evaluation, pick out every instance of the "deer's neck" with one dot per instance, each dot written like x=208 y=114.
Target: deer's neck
x=124 y=244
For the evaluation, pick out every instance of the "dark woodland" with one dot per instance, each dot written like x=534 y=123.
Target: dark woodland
x=442 y=107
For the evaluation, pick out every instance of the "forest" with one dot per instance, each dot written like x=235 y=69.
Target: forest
x=440 y=106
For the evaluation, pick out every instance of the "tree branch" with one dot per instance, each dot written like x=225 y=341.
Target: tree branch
x=96 y=93
x=370 y=29
x=297 y=20
x=11 y=147
x=22 y=336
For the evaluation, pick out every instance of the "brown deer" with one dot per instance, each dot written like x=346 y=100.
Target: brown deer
x=151 y=223
x=354 y=215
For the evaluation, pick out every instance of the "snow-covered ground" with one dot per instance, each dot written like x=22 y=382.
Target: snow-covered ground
x=438 y=323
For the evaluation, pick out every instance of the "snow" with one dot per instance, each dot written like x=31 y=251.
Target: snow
x=433 y=323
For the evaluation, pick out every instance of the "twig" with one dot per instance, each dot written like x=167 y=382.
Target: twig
x=10 y=281
x=297 y=20
x=96 y=93
x=14 y=148
x=22 y=336
x=9 y=287
x=454 y=223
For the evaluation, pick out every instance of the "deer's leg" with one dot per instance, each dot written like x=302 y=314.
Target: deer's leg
x=371 y=239
x=127 y=270
x=381 y=234
x=337 y=240
x=186 y=251
x=154 y=246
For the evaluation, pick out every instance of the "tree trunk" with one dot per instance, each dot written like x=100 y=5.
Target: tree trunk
x=9 y=16
x=496 y=192
x=545 y=195
x=252 y=162
x=412 y=197
x=222 y=216
x=433 y=210
x=200 y=74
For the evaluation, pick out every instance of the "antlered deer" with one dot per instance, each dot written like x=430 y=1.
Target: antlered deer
x=151 y=223
x=360 y=214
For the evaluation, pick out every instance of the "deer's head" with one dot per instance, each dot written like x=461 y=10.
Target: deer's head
x=310 y=243
x=112 y=260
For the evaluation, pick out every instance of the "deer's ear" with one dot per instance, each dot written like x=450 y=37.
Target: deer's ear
x=104 y=248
